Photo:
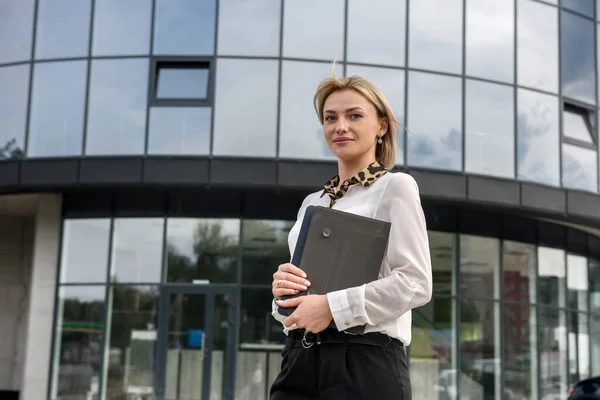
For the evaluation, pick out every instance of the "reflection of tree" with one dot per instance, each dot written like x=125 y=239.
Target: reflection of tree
x=215 y=256
x=11 y=150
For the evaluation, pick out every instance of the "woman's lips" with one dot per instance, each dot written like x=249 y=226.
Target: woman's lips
x=342 y=140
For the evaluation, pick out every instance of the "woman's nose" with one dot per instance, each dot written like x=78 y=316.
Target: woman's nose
x=341 y=126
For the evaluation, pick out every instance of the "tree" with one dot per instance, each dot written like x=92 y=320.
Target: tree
x=11 y=151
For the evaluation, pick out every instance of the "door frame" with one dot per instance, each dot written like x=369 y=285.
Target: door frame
x=210 y=291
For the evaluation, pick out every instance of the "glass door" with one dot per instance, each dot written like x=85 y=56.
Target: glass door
x=196 y=334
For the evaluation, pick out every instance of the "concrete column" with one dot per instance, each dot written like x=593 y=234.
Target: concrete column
x=41 y=302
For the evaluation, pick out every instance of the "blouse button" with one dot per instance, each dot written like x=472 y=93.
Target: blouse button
x=347 y=323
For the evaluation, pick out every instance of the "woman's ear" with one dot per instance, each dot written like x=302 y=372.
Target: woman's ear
x=383 y=126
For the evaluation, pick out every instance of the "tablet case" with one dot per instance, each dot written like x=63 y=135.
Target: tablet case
x=338 y=250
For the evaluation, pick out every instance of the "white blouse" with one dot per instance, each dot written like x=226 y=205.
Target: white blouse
x=405 y=278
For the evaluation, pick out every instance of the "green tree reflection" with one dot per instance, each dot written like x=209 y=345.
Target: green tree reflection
x=11 y=151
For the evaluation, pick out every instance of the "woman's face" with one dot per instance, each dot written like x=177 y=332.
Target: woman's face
x=351 y=126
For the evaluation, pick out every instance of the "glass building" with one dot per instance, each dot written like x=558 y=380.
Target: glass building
x=154 y=153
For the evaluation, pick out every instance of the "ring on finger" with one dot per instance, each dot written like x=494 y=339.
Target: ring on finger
x=279 y=283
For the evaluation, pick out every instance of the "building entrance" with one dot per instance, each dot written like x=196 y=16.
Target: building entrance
x=196 y=342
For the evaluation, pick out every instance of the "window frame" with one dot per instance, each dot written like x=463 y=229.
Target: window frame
x=183 y=62
x=588 y=115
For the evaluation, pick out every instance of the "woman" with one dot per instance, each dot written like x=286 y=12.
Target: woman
x=360 y=129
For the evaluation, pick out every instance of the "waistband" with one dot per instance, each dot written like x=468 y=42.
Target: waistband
x=300 y=338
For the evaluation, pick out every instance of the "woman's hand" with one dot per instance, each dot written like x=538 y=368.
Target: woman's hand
x=312 y=312
x=288 y=280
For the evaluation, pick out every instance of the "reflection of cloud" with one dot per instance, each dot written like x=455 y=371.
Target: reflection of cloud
x=184 y=27
x=117 y=107
x=436 y=37
x=121 y=27
x=314 y=29
x=246 y=109
x=489 y=129
x=434 y=118
x=391 y=83
x=249 y=28
x=84 y=255
x=63 y=28
x=14 y=82
x=579 y=168
x=300 y=129
x=537 y=51
x=577 y=57
x=57 y=108
x=538 y=137
x=385 y=44
x=490 y=39
x=179 y=130
x=16 y=21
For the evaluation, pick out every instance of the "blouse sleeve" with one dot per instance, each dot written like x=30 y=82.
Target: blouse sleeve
x=409 y=284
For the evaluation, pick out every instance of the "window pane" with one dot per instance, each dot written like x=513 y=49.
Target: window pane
x=384 y=45
x=579 y=346
x=179 y=130
x=538 y=148
x=184 y=27
x=433 y=350
x=520 y=353
x=84 y=254
x=574 y=127
x=264 y=248
x=137 y=250
x=14 y=88
x=551 y=277
x=132 y=334
x=580 y=168
x=258 y=326
x=553 y=353
x=578 y=63
x=391 y=82
x=117 y=107
x=242 y=128
x=595 y=287
x=78 y=349
x=519 y=270
x=324 y=39
x=301 y=134
x=182 y=83
x=577 y=282
x=490 y=39
x=121 y=27
x=249 y=28
x=537 y=46
x=63 y=28
x=480 y=349
x=202 y=249
x=16 y=22
x=595 y=345
x=57 y=108
x=489 y=129
x=442 y=247
x=479 y=266
x=435 y=38
x=435 y=142
x=585 y=7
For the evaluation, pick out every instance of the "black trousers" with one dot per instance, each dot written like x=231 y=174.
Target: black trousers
x=337 y=366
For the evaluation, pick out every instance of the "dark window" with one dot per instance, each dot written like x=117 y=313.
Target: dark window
x=181 y=82
x=578 y=123
x=585 y=7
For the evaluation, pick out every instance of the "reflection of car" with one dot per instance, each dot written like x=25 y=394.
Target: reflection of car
x=587 y=389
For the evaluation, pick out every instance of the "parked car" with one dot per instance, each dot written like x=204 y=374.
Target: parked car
x=587 y=389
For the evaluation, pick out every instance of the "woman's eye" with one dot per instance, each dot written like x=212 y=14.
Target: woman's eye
x=329 y=118
x=356 y=116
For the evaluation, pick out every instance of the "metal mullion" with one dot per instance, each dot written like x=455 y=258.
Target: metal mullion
x=345 y=43
x=406 y=82
x=105 y=329
x=151 y=72
x=279 y=88
x=57 y=287
x=464 y=89
x=515 y=89
x=456 y=345
x=30 y=83
x=560 y=99
x=212 y=79
x=86 y=106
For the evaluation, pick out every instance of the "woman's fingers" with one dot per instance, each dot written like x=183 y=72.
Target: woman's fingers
x=292 y=269
x=286 y=284
x=284 y=292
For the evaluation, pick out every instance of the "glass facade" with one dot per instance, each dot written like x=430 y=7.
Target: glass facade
x=508 y=319
x=503 y=89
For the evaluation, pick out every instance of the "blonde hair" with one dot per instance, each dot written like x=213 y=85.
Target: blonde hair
x=386 y=151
